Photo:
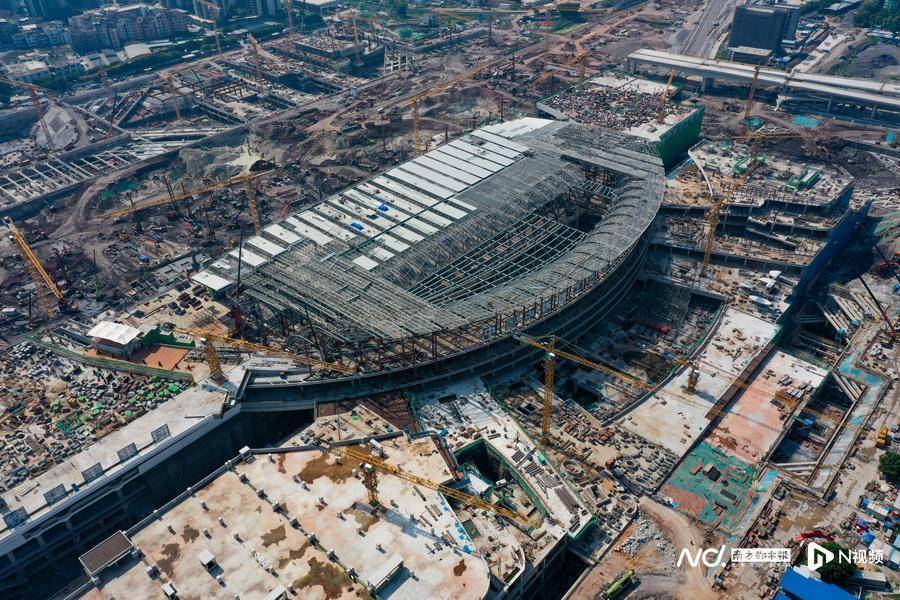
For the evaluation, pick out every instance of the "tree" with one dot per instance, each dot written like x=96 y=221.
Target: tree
x=398 y=8
x=866 y=14
x=841 y=568
x=889 y=466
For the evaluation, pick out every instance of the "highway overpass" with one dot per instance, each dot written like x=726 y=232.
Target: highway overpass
x=827 y=92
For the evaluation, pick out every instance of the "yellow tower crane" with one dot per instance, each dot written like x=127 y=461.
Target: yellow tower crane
x=552 y=350
x=370 y=480
x=38 y=109
x=136 y=208
x=289 y=10
x=211 y=336
x=215 y=22
x=715 y=211
x=252 y=207
x=257 y=60
x=551 y=353
x=750 y=97
x=664 y=98
x=414 y=101
x=212 y=359
x=39 y=275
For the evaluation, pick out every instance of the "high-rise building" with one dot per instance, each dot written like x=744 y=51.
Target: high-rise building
x=115 y=26
x=266 y=8
x=764 y=26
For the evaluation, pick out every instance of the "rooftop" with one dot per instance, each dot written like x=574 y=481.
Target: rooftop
x=675 y=418
x=372 y=261
x=298 y=518
x=118 y=333
x=106 y=456
x=623 y=103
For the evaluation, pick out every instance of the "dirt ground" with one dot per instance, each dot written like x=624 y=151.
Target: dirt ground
x=656 y=579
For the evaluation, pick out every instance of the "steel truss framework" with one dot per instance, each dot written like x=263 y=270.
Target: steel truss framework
x=511 y=263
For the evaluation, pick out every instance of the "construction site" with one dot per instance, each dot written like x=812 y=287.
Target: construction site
x=447 y=303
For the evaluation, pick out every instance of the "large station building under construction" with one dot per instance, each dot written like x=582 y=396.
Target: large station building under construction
x=529 y=225
x=416 y=277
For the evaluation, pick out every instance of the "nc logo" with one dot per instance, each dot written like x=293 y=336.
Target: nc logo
x=710 y=557
x=817 y=556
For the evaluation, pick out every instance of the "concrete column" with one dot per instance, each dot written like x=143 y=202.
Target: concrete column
x=706 y=83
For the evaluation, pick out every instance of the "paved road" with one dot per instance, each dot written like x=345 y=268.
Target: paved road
x=714 y=20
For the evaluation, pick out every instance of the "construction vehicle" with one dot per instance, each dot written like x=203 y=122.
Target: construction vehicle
x=39 y=275
x=369 y=464
x=619 y=585
x=881 y=440
x=38 y=109
x=211 y=337
x=215 y=21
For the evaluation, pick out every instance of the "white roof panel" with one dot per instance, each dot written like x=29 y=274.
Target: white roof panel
x=380 y=222
x=454 y=172
x=396 y=207
x=282 y=234
x=517 y=127
x=379 y=207
x=423 y=200
x=450 y=211
x=325 y=225
x=481 y=152
x=211 y=280
x=381 y=254
x=465 y=205
x=423 y=184
x=467 y=166
x=392 y=243
x=500 y=149
x=433 y=176
x=223 y=264
x=254 y=260
x=261 y=243
x=368 y=229
x=307 y=231
x=118 y=333
x=365 y=262
x=340 y=218
x=435 y=218
x=501 y=141
x=400 y=202
x=478 y=161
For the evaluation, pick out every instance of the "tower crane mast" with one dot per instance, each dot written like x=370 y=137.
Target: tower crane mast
x=39 y=110
x=211 y=336
x=39 y=275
